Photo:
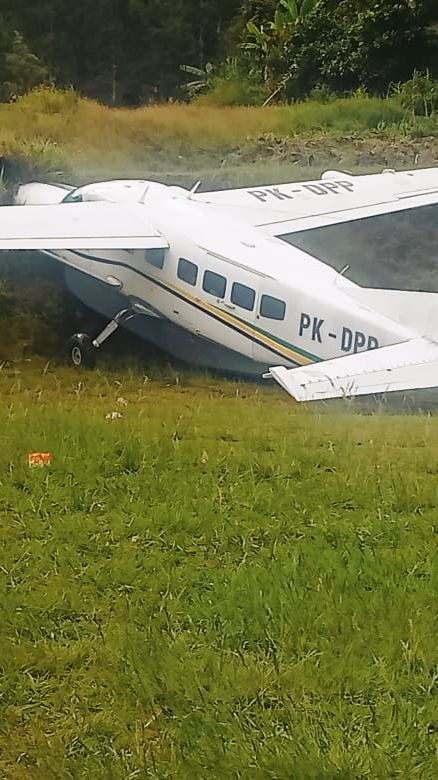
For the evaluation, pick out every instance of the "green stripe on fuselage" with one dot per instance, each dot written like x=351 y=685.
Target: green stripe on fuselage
x=277 y=340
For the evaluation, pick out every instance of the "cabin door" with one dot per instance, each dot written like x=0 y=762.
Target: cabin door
x=272 y=318
x=234 y=294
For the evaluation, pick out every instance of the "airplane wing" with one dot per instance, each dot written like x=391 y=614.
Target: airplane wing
x=410 y=365
x=335 y=197
x=95 y=225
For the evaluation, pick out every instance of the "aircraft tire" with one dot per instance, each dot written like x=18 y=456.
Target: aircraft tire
x=80 y=351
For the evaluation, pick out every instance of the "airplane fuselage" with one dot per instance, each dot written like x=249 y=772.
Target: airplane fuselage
x=227 y=284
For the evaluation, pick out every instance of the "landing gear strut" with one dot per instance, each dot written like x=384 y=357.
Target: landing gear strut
x=81 y=349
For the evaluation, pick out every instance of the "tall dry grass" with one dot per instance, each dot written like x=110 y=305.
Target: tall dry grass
x=55 y=126
x=50 y=131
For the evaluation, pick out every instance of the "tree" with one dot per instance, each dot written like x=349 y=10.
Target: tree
x=127 y=49
x=356 y=44
x=21 y=69
x=267 y=40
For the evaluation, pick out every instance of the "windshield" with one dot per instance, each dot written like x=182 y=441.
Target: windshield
x=397 y=250
x=73 y=197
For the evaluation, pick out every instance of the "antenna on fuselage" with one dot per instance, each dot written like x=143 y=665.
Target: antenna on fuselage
x=194 y=189
x=342 y=273
x=143 y=195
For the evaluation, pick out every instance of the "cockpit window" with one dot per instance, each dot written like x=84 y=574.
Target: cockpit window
x=73 y=197
x=155 y=257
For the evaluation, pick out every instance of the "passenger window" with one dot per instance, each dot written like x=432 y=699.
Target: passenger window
x=215 y=284
x=187 y=271
x=243 y=296
x=272 y=308
x=155 y=257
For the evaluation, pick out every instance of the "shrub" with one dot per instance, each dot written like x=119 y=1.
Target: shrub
x=354 y=114
x=419 y=95
x=49 y=100
x=233 y=92
x=234 y=84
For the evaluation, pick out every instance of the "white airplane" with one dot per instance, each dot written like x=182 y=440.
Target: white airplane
x=250 y=280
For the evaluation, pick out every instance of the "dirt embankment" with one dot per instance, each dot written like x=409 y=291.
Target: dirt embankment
x=345 y=152
x=265 y=159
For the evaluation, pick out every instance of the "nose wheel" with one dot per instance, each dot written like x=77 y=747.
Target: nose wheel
x=81 y=348
x=80 y=351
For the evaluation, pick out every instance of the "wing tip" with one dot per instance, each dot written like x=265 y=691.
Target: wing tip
x=284 y=377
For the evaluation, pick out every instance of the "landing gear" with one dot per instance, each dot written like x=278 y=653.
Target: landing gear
x=81 y=349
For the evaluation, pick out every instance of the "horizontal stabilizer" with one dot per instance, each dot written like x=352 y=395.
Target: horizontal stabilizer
x=407 y=366
x=78 y=226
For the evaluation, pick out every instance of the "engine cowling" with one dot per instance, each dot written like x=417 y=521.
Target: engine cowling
x=39 y=194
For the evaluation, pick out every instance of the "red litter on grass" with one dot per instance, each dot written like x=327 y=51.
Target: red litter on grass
x=39 y=459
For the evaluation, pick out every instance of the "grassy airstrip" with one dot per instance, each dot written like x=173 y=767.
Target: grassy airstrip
x=217 y=584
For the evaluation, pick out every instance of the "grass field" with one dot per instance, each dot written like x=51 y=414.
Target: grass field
x=218 y=584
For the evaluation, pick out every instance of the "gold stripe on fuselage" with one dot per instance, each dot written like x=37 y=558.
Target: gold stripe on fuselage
x=269 y=342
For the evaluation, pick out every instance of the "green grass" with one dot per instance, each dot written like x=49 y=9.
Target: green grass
x=219 y=584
